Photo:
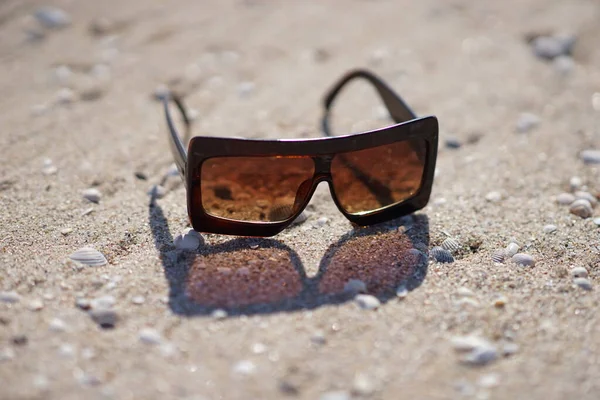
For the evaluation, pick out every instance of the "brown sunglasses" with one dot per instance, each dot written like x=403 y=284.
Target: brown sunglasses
x=253 y=187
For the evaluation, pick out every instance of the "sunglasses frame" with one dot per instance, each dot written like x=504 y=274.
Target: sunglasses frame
x=321 y=150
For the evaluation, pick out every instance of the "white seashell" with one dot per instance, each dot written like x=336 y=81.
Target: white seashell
x=524 y=260
x=441 y=255
x=586 y=196
x=89 y=256
x=549 y=228
x=575 y=183
x=582 y=208
x=451 y=245
x=579 y=272
x=565 y=199
x=512 y=249
x=150 y=336
x=493 y=197
x=401 y=292
x=367 y=302
x=92 y=194
x=499 y=256
x=300 y=218
x=104 y=317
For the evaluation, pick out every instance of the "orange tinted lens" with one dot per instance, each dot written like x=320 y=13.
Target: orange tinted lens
x=265 y=189
x=367 y=180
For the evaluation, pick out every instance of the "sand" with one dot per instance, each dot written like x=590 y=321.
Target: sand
x=260 y=69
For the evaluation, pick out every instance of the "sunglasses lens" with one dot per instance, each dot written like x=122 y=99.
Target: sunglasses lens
x=261 y=189
x=370 y=179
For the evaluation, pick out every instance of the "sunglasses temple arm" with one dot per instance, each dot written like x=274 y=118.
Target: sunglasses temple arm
x=175 y=142
x=396 y=107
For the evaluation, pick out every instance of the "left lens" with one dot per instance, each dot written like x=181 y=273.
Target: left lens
x=260 y=189
x=367 y=180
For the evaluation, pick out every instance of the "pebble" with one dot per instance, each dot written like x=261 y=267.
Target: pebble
x=466 y=292
x=337 y=395
x=161 y=92
x=580 y=194
x=362 y=385
x=582 y=208
x=493 y=197
x=367 y=302
x=83 y=304
x=219 y=313
x=245 y=89
x=65 y=96
x=49 y=169
x=590 y=156
x=583 y=283
x=489 y=381
x=7 y=354
x=259 y=348
x=150 y=336
x=321 y=222
x=103 y=302
x=575 y=183
x=138 y=300
x=57 y=325
x=186 y=242
x=597 y=221
x=527 y=122
x=509 y=348
x=524 y=260
x=551 y=47
x=500 y=301
x=401 y=292
x=355 y=286
x=52 y=17
x=66 y=350
x=549 y=228
x=10 y=297
x=105 y=317
x=66 y=231
x=565 y=199
x=318 y=338
x=481 y=356
x=453 y=143
x=92 y=194
x=36 y=305
x=579 y=272
x=244 y=367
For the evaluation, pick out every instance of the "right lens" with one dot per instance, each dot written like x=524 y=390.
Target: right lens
x=370 y=179
x=259 y=189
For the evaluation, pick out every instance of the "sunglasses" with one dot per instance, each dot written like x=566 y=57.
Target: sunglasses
x=252 y=187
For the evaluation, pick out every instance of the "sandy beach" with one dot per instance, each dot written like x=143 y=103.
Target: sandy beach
x=281 y=317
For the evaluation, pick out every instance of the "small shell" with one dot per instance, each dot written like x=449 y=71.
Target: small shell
x=575 y=183
x=586 y=196
x=549 y=228
x=92 y=194
x=583 y=283
x=524 y=260
x=512 y=249
x=367 y=302
x=89 y=256
x=579 y=272
x=565 y=199
x=451 y=245
x=582 y=208
x=499 y=256
x=441 y=255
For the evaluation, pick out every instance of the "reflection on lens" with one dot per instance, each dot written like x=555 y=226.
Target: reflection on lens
x=265 y=189
x=367 y=180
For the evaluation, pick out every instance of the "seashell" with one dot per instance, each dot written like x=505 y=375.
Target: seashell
x=493 y=197
x=524 y=260
x=575 y=183
x=300 y=218
x=565 y=199
x=549 y=228
x=582 y=208
x=579 y=272
x=586 y=196
x=187 y=241
x=441 y=255
x=451 y=245
x=512 y=249
x=92 y=194
x=499 y=256
x=89 y=256
x=367 y=302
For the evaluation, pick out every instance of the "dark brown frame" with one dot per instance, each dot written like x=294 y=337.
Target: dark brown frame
x=321 y=150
